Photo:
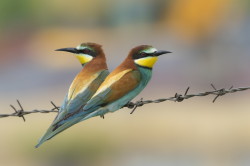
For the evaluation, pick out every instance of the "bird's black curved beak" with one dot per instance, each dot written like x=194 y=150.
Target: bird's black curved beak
x=161 y=52
x=72 y=50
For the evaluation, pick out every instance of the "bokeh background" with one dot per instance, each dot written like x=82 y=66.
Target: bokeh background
x=210 y=42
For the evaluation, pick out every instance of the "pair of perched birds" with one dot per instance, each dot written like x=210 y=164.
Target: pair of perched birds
x=95 y=92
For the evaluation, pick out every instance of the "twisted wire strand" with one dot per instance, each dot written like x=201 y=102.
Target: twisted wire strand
x=134 y=105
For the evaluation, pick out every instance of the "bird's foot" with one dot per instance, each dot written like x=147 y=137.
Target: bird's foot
x=129 y=105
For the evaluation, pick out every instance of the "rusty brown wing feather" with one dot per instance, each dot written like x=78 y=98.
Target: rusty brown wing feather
x=115 y=91
x=124 y=85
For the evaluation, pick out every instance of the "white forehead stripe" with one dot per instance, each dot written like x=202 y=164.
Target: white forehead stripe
x=80 y=47
x=150 y=50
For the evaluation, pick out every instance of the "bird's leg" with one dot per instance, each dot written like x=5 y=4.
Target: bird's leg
x=102 y=116
x=129 y=105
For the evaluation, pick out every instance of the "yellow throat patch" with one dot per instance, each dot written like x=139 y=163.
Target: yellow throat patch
x=147 y=61
x=84 y=58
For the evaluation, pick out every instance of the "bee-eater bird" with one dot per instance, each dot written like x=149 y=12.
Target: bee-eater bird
x=94 y=71
x=121 y=85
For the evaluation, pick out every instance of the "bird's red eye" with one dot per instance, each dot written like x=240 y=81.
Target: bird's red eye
x=86 y=51
x=143 y=54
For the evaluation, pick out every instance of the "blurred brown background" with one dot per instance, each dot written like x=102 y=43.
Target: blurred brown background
x=210 y=42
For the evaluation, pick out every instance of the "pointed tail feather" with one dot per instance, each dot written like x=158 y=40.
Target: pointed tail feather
x=62 y=125
x=52 y=131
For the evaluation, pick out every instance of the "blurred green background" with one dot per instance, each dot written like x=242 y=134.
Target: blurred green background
x=210 y=42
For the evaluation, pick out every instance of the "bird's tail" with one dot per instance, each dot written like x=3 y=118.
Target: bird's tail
x=61 y=125
x=53 y=131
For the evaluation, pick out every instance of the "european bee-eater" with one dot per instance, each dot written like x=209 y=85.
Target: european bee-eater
x=121 y=85
x=83 y=87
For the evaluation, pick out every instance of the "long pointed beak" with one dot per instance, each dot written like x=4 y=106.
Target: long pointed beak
x=72 y=50
x=161 y=52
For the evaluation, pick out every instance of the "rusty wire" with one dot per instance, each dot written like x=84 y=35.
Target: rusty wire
x=134 y=105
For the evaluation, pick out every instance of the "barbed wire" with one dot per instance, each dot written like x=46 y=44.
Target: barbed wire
x=20 y=112
x=134 y=105
x=179 y=97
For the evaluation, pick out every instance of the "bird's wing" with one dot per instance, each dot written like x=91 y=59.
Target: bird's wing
x=110 y=91
x=73 y=105
x=83 y=89
x=79 y=94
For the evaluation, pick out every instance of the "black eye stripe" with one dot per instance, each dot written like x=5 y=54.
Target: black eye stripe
x=142 y=55
x=87 y=51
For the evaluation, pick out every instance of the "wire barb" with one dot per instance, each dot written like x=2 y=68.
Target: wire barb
x=221 y=92
x=137 y=104
x=186 y=91
x=55 y=107
x=133 y=105
x=19 y=113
